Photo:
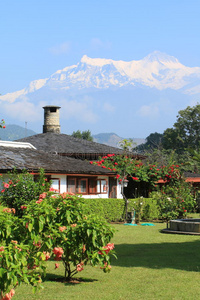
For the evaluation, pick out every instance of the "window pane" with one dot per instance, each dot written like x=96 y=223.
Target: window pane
x=71 y=185
x=55 y=184
x=103 y=186
x=92 y=185
x=83 y=186
x=98 y=186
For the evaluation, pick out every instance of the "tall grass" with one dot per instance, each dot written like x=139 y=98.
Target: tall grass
x=150 y=265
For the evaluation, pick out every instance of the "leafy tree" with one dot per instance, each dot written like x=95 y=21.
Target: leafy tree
x=153 y=141
x=185 y=132
x=85 y=135
x=141 y=176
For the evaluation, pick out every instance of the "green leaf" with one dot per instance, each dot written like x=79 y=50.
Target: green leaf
x=2 y=271
x=30 y=227
x=89 y=231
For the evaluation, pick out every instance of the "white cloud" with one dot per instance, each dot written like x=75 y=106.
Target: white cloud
x=108 y=107
x=151 y=110
x=97 y=44
x=78 y=110
x=63 y=48
x=23 y=111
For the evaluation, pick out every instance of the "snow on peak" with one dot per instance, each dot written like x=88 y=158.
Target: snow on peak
x=163 y=59
x=99 y=62
x=157 y=70
x=160 y=57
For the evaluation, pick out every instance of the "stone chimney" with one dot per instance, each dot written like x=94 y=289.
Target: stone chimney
x=51 y=119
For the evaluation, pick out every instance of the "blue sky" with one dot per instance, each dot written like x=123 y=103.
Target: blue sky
x=39 y=37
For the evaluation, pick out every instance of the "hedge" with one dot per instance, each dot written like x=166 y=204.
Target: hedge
x=112 y=209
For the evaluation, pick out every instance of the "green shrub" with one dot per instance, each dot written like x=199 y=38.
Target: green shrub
x=21 y=189
x=113 y=209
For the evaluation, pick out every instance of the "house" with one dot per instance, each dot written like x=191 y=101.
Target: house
x=65 y=160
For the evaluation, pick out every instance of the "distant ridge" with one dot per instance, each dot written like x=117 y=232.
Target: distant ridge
x=15 y=132
x=112 y=139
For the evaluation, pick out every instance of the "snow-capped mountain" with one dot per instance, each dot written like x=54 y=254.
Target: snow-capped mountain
x=107 y=95
x=157 y=70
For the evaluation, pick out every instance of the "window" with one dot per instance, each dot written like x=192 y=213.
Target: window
x=92 y=185
x=71 y=185
x=102 y=186
x=81 y=186
x=55 y=183
x=77 y=185
x=53 y=109
x=87 y=186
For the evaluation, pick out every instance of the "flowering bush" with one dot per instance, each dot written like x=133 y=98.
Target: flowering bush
x=21 y=189
x=58 y=225
x=15 y=257
x=176 y=200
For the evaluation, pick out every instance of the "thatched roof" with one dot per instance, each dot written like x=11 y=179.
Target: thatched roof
x=67 y=145
x=33 y=160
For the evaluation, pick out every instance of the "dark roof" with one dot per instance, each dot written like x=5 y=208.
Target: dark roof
x=33 y=160
x=70 y=146
x=191 y=174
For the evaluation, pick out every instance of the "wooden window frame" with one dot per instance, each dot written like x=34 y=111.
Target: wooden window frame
x=91 y=185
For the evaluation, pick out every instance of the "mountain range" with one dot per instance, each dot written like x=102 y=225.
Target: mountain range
x=132 y=98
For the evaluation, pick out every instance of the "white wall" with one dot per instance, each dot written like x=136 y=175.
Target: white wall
x=119 y=194
x=63 y=185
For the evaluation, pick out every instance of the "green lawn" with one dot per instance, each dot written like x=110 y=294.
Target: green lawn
x=150 y=265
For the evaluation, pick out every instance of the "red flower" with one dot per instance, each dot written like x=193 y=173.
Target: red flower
x=135 y=178
x=58 y=251
x=117 y=176
x=47 y=255
x=79 y=267
x=107 y=248
x=23 y=207
x=56 y=266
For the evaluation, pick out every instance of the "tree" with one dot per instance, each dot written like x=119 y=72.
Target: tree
x=153 y=141
x=85 y=135
x=185 y=132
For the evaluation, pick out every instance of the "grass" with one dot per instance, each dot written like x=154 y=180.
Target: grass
x=150 y=265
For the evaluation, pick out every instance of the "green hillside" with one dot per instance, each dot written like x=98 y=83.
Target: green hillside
x=14 y=132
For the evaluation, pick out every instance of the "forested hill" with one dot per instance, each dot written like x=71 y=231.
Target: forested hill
x=15 y=132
